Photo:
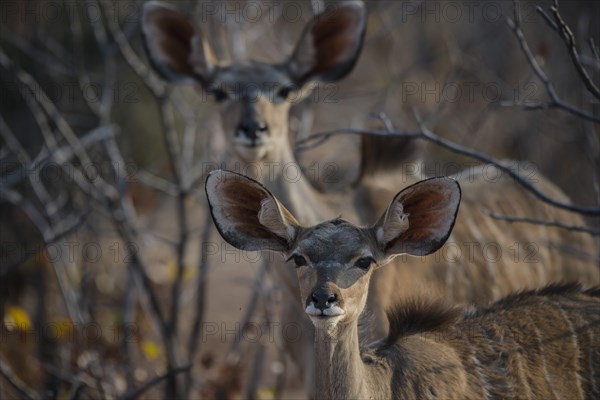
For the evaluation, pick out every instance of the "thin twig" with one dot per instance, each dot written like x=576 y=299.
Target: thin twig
x=555 y=100
x=28 y=208
x=42 y=99
x=60 y=156
x=569 y=39
x=68 y=226
x=127 y=321
x=509 y=171
x=16 y=383
x=149 y=78
x=48 y=60
x=313 y=141
x=547 y=18
x=200 y=291
x=425 y=134
x=155 y=381
x=156 y=182
x=594 y=49
x=82 y=378
x=179 y=174
x=50 y=206
x=387 y=123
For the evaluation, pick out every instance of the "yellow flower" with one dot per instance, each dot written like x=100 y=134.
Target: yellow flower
x=150 y=349
x=17 y=318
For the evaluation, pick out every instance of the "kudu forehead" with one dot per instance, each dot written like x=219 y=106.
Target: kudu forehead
x=250 y=79
x=335 y=243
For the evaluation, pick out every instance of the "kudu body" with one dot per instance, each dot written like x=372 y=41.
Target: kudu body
x=530 y=345
x=255 y=106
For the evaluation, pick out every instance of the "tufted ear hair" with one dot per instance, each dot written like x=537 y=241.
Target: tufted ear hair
x=175 y=49
x=420 y=218
x=329 y=45
x=247 y=215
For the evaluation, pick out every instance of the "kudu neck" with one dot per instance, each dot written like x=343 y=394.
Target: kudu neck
x=281 y=173
x=340 y=371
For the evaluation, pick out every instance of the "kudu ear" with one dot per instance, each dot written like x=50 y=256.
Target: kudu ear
x=247 y=215
x=174 y=47
x=330 y=44
x=420 y=218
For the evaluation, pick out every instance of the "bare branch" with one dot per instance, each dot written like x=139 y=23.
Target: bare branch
x=46 y=59
x=48 y=107
x=59 y=155
x=155 y=381
x=156 y=182
x=68 y=226
x=139 y=67
x=35 y=217
x=50 y=206
x=555 y=100
x=509 y=171
x=425 y=134
x=569 y=38
x=317 y=139
x=200 y=296
x=127 y=321
x=547 y=18
x=594 y=49
x=180 y=174
x=387 y=123
x=16 y=383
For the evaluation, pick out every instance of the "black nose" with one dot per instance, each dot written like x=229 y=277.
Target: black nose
x=251 y=129
x=323 y=299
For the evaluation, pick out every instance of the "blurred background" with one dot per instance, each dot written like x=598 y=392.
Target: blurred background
x=93 y=251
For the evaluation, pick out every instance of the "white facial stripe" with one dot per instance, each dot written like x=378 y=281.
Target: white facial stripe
x=243 y=140
x=326 y=324
x=312 y=310
x=333 y=311
x=251 y=154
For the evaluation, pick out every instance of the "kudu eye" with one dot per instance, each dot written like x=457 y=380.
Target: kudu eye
x=284 y=92
x=364 y=263
x=298 y=260
x=220 y=95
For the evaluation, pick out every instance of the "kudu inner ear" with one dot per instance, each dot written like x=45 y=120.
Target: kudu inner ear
x=174 y=48
x=247 y=215
x=330 y=44
x=420 y=218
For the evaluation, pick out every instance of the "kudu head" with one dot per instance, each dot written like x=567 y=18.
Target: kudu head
x=335 y=259
x=254 y=97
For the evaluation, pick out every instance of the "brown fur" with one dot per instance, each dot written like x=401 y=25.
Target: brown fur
x=536 y=344
x=530 y=255
x=386 y=154
x=417 y=316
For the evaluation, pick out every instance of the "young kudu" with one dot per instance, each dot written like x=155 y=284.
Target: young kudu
x=255 y=119
x=538 y=344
